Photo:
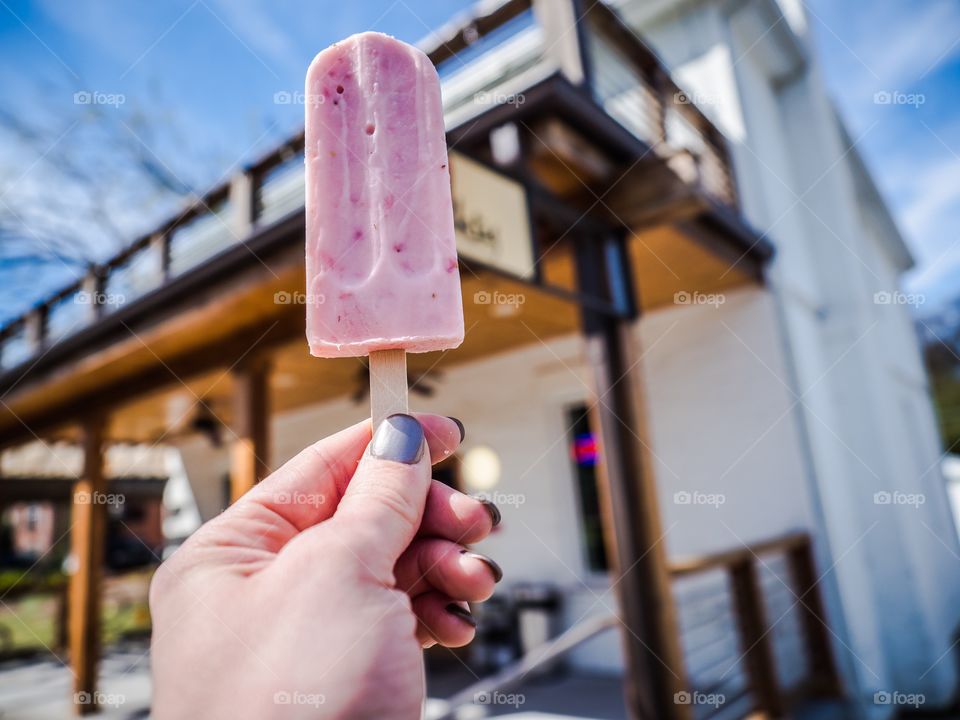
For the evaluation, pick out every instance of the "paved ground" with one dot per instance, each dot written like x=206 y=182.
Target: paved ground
x=39 y=689
x=562 y=695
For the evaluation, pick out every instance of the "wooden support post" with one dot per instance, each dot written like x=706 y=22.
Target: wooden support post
x=755 y=637
x=62 y=641
x=562 y=28
x=242 y=203
x=249 y=461
x=803 y=574
x=160 y=247
x=35 y=331
x=633 y=533
x=664 y=98
x=655 y=664
x=92 y=288
x=87 y=548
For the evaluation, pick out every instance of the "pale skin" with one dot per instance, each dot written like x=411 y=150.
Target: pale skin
x=315 y=593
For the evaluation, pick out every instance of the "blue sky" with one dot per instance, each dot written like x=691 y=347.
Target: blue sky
x=198 y=79
x=911 y=47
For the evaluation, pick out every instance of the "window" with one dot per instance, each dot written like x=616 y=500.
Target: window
x=583 y=455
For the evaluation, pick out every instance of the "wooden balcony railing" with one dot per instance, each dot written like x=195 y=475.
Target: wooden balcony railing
x=260 y=196
x=493 y=58
x=753 y=628
x=485 y=60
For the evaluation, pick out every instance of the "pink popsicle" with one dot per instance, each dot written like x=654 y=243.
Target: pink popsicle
x=381 y=257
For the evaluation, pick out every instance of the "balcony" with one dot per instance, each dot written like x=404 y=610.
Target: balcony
x=559 y=94
x=508 y=57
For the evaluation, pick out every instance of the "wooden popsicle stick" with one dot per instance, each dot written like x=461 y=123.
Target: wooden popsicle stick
x=388 y=384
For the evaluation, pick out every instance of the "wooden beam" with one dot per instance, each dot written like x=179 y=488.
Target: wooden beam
x=87 y=548
x=805 y=579
x=170 y=372
x=656 y=669
x=61 y=489
x=560 y=20
x=250 y=451
x=635 y=542
x=755 y=637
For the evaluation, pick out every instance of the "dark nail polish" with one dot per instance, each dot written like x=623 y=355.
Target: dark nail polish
x=399 y=438
x=460 y=427
x=462 y=613
x=490 y=508
x=494 y=568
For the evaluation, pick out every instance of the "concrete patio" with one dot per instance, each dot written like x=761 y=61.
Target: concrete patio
x=40 y=689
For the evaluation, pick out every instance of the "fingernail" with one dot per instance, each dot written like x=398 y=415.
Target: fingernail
x=494 y=568
x=462 y=613
x=463 y=430
x=490 y=508
x=399 y=438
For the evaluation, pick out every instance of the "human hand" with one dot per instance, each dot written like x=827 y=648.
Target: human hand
x=315 y=592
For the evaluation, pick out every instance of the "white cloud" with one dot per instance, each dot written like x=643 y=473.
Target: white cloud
x=925 y=36
x=935 y=194
x=256 y=29
x=118 y=30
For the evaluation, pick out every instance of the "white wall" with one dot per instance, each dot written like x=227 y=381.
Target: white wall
x=723 y=422
x=866 y=414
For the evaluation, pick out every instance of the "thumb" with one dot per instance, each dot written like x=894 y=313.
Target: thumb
x=381 y=509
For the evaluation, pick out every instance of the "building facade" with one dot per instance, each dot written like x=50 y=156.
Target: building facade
x=687 y=380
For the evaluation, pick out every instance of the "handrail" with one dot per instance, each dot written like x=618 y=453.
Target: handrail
x=540 y=656
x=667 y=97
x=448 y=40
x=735 y=556
x=752 y=627
x=752 y=624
